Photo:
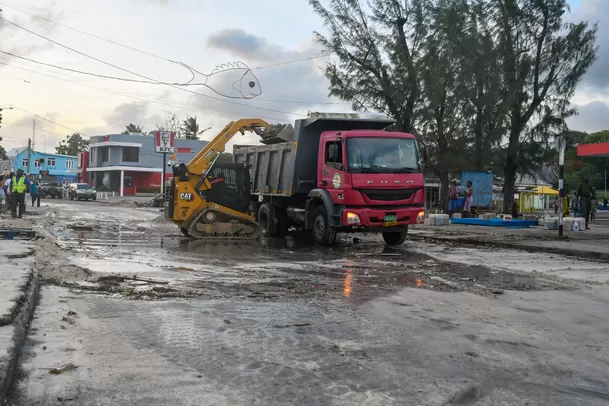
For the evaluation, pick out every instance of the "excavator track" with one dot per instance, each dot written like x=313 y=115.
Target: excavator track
x=222 y=227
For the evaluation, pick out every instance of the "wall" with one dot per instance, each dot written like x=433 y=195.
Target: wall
x=59 y=170
x=148 y=158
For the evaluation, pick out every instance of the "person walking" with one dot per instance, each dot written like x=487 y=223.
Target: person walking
x=585 y=194
x=19 y=185
x=453 y=198
x=2 y=192
x=469 y=196
x=34 y=194
x=9 y=191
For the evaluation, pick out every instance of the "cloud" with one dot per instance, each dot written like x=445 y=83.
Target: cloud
x=242 y=44
x=288 y=89
x=592 y=117
x=596 y=79
x=19 y=42
x=137 y=112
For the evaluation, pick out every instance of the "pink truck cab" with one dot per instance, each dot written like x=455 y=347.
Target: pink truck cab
x=337 y=173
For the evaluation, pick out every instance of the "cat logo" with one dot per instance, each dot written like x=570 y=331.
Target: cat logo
x=186 y=196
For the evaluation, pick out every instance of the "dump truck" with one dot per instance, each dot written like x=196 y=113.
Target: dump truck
x=334 y=173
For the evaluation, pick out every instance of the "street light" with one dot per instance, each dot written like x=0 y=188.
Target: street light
x=45 y=143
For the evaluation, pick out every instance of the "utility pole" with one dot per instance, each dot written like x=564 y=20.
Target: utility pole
x=164 y=174
x=34 y=133
x=559 y=144
x=605 y=186
x=29 y=155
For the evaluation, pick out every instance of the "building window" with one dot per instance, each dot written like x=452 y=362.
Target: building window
x=70 y=164
x=24 y=162
x=93 y=151
x=131 y=154
x=105 y=154
x=51 y=162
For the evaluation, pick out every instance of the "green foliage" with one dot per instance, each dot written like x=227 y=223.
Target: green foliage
x=577 y=168
x=72 y=145
x=3 y=153
x=190 y=129
x=225 y=157
x=132 y=128
x=483 y=84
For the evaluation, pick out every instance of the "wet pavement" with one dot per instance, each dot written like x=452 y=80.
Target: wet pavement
x=133 y=313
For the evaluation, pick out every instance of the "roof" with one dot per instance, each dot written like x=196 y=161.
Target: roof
x=597 y=150
x=19 y=150
x=13 y=152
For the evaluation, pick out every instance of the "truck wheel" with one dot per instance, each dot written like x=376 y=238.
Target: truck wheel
x=322 y=232
x=395 y=237
x=267 y=219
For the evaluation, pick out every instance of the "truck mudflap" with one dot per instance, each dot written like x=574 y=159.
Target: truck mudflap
x=334 y=210
x=381 y=219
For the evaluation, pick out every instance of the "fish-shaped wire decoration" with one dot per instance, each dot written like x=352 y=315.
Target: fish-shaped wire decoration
x=234 y=80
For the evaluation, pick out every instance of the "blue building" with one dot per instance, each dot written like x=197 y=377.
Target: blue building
x=61 y=167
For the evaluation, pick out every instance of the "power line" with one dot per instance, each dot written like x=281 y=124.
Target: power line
x=320 y=55
x=50 y=121
x=39 y=129
x=143 y=76
x=89 y=34
x=131 y=95
x=151 y=82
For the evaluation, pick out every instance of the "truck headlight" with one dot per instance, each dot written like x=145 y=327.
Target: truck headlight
x=352 y=218
x=421 y=217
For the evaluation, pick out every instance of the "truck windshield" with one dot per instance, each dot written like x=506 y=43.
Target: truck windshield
x=382 y=155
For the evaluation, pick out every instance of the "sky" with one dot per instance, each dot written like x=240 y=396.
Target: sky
x=274 y=38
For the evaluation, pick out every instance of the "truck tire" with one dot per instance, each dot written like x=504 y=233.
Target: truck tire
x=268 y=221
x=395 y=237
x=322 y=232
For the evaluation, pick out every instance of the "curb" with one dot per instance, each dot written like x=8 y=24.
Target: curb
x=599 y=256
x=20 y=324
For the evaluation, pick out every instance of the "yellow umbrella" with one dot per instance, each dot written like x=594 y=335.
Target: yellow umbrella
x=544 y=190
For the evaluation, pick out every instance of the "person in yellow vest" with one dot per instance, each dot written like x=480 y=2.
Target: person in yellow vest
x=19 y=186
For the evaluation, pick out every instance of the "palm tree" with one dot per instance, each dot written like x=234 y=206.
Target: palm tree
x=190 y=129
x=132 y=128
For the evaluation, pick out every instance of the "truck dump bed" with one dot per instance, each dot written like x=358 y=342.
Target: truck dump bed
x=290 y=167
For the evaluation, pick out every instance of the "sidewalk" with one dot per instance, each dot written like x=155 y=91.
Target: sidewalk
x=589 y=244
x=18 y=295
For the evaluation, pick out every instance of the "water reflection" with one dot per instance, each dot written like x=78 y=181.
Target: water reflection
x=347 y=285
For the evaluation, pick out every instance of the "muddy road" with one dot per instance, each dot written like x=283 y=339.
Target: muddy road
x=133 y=313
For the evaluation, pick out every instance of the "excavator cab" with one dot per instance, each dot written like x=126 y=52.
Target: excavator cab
x=230 y=186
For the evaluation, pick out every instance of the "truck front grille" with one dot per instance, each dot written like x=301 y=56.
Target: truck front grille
x=389 y=195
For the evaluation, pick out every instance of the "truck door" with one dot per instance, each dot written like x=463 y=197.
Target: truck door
x=333 y=167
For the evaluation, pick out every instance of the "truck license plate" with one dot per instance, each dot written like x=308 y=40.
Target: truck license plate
x=390 y=220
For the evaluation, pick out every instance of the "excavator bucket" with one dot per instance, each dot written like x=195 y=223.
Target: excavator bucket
x=277 y=133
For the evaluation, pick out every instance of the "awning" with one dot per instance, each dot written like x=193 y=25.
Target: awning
x=545 y=190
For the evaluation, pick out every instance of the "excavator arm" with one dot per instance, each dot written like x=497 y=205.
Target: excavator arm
x=202 y=163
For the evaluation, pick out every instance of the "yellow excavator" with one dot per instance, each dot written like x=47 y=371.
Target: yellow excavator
x=211 y=199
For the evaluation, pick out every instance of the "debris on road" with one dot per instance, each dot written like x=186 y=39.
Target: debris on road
x=65 y=368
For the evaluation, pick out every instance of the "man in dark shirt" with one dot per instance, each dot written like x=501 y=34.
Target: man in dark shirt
x=585 y=193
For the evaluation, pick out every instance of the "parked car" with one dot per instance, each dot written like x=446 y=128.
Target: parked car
x=50 y=189
x=82 y=191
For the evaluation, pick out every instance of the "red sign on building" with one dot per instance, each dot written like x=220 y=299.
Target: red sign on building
x=164 y=141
